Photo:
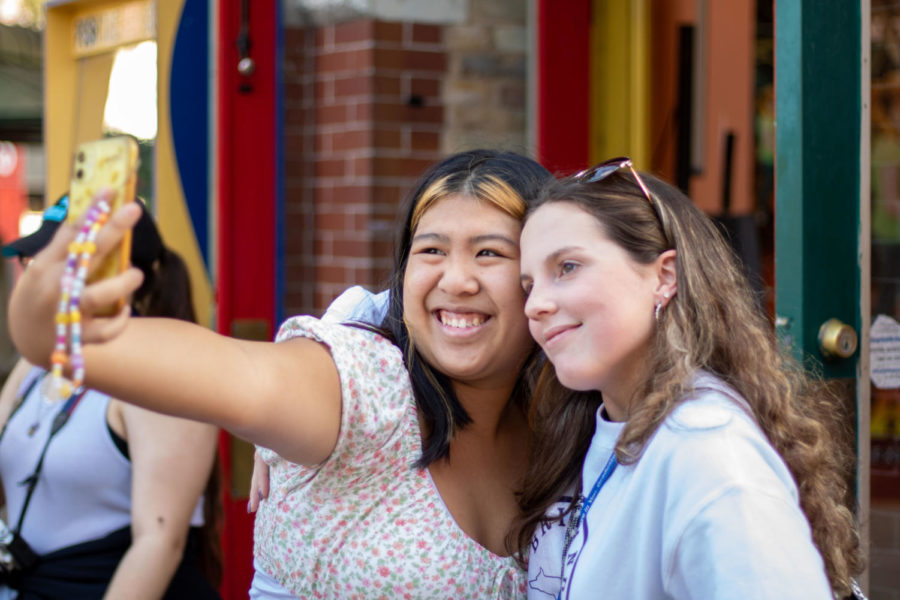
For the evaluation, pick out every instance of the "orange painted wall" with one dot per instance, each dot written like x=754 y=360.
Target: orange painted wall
x=667 y=16
x=728 y=82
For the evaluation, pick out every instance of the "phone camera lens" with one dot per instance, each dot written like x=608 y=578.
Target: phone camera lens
x=80 y=157
x=79 y=174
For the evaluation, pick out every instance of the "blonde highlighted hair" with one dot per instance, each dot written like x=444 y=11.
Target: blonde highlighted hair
x=489 y=188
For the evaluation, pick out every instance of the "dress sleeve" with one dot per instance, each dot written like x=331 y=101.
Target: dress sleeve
x=377 y=406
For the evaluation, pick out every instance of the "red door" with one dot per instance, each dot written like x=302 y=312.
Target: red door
x=246 y=229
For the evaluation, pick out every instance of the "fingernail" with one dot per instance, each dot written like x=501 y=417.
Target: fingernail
x=259 y=493
x=248 y=508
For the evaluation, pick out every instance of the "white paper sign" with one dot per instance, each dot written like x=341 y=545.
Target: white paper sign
x=885 y=352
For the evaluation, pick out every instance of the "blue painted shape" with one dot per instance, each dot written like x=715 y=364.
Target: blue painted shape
x=189 y=109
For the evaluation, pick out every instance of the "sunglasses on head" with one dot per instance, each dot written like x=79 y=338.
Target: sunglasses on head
x=608 y=167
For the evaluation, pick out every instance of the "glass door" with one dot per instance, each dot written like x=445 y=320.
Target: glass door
x=885 y=298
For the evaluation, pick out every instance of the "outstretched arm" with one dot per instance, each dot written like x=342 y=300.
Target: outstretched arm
x=283 y=396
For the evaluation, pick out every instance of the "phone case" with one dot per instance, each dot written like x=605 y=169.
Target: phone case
x=107 y=163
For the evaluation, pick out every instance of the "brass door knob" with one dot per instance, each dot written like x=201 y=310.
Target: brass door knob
x=837 y=339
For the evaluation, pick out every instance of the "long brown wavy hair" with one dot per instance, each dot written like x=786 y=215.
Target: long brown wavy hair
x=714 y=323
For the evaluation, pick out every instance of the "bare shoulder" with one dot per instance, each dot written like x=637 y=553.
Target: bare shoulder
x=141 y=421
x=157 y=438
x=10 y=391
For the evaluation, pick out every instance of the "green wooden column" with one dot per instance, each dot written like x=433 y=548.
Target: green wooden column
x=817 y=169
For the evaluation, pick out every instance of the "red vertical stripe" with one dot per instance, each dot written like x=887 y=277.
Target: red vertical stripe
x=563 y=84
x=246 y=241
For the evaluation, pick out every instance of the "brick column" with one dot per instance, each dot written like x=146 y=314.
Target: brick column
x=363 y=121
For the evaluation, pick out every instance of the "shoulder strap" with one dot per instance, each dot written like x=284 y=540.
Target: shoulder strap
x=58 y=421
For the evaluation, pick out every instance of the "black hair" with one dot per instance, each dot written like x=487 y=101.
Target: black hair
x=166 y=289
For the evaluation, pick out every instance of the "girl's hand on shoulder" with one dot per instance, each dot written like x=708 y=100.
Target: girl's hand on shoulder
x=259 y=483
x=35 y=298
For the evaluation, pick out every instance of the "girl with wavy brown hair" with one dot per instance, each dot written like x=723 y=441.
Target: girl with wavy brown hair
x=694 y=459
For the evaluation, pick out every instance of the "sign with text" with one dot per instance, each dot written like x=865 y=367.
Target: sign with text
x=110 y=27
x=885 y=352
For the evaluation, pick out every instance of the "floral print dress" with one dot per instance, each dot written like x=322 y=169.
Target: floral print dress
x=367 y=523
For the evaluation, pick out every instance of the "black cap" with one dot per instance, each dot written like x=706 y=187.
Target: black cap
x=146 y=243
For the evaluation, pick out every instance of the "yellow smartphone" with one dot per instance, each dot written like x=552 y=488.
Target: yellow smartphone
x=109 y=163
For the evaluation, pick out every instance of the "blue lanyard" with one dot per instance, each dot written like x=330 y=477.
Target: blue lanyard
x=604 y=476
x=601 y=481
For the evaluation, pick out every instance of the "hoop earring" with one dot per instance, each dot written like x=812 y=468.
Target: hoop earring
x=656 y=311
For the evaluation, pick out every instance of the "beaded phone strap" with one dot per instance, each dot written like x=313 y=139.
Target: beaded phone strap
x=68 y=317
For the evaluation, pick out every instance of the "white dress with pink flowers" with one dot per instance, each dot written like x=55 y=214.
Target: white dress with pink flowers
x=367 y=523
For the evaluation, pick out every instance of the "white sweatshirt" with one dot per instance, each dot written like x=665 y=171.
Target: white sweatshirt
x=709 y=512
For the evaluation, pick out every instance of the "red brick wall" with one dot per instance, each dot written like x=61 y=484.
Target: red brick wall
x=363 y=119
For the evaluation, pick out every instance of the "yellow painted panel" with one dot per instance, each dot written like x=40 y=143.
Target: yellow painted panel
x=59 y=85
x=97 y=29
x=174 y=219
x=74 y=89
x=89 y=99
x=74 y=97
x=620 y=52
x=639 y=137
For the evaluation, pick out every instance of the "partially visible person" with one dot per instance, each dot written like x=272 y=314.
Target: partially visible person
x=125 y=502
x=395 y=452
x=694 y=460
x=8 y=354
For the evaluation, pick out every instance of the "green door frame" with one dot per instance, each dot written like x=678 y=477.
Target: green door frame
x=822 y=190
